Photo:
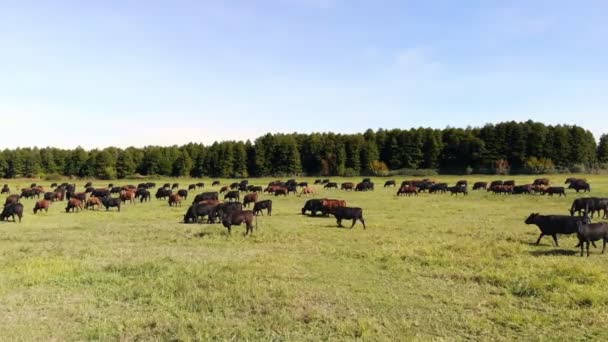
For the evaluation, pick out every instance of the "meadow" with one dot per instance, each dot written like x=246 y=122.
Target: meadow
x=431 y=267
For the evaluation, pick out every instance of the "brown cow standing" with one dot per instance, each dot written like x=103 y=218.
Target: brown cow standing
x=329 y=205
x=127 y=196
x=250 y=198
x=175 y=199
x=92 y=202
x=42 y=205
x=74 y=203
x=307 y=190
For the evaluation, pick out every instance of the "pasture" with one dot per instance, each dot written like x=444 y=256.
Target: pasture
x=426 y=267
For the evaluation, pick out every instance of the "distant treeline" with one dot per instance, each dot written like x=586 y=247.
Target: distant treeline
x=527 y=147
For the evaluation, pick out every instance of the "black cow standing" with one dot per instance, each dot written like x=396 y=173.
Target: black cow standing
x=346 y=213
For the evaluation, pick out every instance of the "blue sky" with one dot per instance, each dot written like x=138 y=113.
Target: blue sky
x=135 y=72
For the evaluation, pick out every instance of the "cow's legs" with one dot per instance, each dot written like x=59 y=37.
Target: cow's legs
x=339 y=222
x=555 y=239
x=604 y=247
x=354 y=221
x=362 y=221
x=538 y=241
x=582 y=244
x=587 y=243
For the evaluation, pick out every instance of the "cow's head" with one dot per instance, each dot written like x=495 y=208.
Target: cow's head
x=531 y=218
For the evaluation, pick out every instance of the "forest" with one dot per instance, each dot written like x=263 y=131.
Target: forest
x=508 y=147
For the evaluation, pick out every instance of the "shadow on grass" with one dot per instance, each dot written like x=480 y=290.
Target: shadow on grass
x=554 y=252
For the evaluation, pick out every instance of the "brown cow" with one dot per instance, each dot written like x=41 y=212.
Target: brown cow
x=42 y=205
x=209 y=202
x=127 y=196
x=407 y=191
x=329 y=205
x=307 y=190
x=250 y=198
x=74 y=203
x=92 y=202
x=12 y=199
x=175 y=199
x=224 y=189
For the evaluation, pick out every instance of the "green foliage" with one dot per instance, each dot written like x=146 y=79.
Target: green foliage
x=539 y=165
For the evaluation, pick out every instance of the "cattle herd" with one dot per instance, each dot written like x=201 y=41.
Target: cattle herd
x=207 y=207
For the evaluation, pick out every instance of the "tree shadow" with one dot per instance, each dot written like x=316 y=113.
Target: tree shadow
x=554 y=252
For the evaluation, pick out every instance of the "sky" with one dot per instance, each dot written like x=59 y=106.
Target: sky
x=153 y=72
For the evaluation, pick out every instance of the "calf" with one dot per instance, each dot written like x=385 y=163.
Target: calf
x=592 y=232
x=74 y=204
x=250 y=198
x=236 y=218
x=42 y=205
x=92 y=202
x=175 y=199
x=556 y=224
x=259 y=206
x=346 y=213
x=12 y=210
x=109 y=202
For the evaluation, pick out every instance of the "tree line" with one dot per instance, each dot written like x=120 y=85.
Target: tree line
x=515 y=147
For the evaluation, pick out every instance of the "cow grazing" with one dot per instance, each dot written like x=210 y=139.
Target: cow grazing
x=74 y=204
x=365 y=186
x=555 y=190
x=143 y=195
x=109 y=202
x=92 y=202
x=347 y=186
x=346 y=213
x=175 y=186
x=49 y=196
x=163 y=193
x=236 y=218
x=183 y=193
x=555 y=224
x=192 y=187
x=541 y=181
x=250 y=198
x=200 y=185
x=480 y=185
x=215 y=183
x=254 y=188
x=197 y=212
x=307 y=190
x=175 y=200
x=259 y=206
x=579 y=185
x=233 y=196
x=462 y=182
x=592 y=232
x=438 y=188
x=42 y=205
x=167 y=185
x=5 y=190
x=12 y=210
x=407 y=191
x=390 y=183
x=455 y=190
x=234 y=186
x=314 y=206
x=331 y=185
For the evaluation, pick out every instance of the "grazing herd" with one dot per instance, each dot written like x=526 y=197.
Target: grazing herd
x=206 y=206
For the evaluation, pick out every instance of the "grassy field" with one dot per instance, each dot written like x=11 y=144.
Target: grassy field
x=427 y=267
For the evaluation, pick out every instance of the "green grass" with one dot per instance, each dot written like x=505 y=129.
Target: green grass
x=427 y=267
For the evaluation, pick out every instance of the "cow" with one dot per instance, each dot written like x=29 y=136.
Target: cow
x=347 y=186
x=318 y=181
x=254 y=188
x=281 y=191
x=175 y=199
x=509 y=183
x=28 y=193
x=100 y=193
x=59 y=195
x=197 y=212
x=592 y=232
x=250 y=198
x=313 y=205
x=5 y=190
x=175 y=186
x=192 y=187
x=236 y=218
x=556 y=224
x=143 y=195
x=407 y=191
x=117 y=189
x=225 y=208
x=206 y=196
x=325 y=181
x=243 y=187
x=49 y=196
x=589 y=205
x=127 y=196
x=331 y=185
x=364 y=186
x=572 y=179
x=163 y=193
x=390 y=183
x=330 y=205
x=74 y=204
x=480 y=185
x=109 y=202
x=580 y=185
x=79 y=196
x=92 y=202
x=88 y=185
x=555 y=190
x=541 y=181
x=215 y=183
x=522 y=189
x=259 y=206
x=291 y=189
x=495 y=183
x=233 y=196
x=151 y=185
x=42 y=205
x=346 y=213
x=303 y=184
x=224 y=189
x=462 y=182
x=455 y=190
x=307 y=190
x=234 y=186
x=439 y=187
x=167 y=185
x=183 y=193
x=12 y=210
x=272 y=188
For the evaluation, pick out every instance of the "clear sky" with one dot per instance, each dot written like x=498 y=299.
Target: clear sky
x=141 y=72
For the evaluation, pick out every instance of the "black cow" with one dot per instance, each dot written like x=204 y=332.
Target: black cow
x=318 y=181
x=206 y=196
x=143 y=195
x=175 y=186
x=462 y=182
x=88 y=185
x=163 y=193
x=167 y=185
x=439 y=187
x=117 y=189
x=303 y=184
x=364 y=186
x=313 y=205
x=234 y=186
x=480 y=185
x=183 y=193
x=495 y=183
x=215 y=183
x=556 y=224
x=580 y=185
x=331 y=185
x=200 y=185
x=259 y=206
x=347 y=213
x=151 y=185
x=390 y=183
x=232 y=196
x=12 y=210
x=236 y=218
x=555 y=190
x=281 y=191
x=109 y=202
x=192 y=187
x=592 y=232
x=197 y=212
x=455 y=190
x=100 y=193
x=225 y=208
x=5 y=190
